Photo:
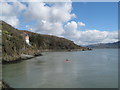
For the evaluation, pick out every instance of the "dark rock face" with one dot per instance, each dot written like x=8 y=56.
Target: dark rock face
x=13 y=43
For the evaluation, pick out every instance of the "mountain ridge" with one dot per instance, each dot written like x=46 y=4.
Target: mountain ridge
x=105 y=45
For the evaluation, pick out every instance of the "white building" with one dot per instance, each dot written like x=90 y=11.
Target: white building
x=27 y=39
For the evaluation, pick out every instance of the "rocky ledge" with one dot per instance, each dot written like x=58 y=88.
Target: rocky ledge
x=21 y=58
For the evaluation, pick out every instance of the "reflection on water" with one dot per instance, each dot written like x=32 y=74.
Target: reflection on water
x=85 y=69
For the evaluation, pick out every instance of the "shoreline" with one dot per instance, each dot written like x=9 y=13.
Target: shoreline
x=64 y=50
x=27 y=57
x=22 y=58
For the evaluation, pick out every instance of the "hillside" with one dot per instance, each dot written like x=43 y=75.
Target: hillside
x=105 y=45
x=13 y=43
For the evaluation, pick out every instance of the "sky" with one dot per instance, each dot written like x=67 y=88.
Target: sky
x=82 y=22
x=97 y=15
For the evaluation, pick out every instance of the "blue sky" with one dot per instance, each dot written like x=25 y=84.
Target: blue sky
x=82 y=22
x=97 y=15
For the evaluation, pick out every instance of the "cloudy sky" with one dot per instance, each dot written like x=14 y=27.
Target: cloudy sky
x=82 y=22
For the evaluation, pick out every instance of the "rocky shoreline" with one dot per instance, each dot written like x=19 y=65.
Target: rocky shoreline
x=30 y=56
x=21 y=58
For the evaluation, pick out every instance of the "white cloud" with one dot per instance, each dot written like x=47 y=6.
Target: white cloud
x=71 y=31
x=81 y=24
x=88 y=36
x=61 y=12
x=50 y=28
x=54 y=19
x=43 y=21
x=50 y=18
x=58 y=12
x=71 y=25
x=12 y=20
x=96 y=36
x=37 y=11
x=11 y=11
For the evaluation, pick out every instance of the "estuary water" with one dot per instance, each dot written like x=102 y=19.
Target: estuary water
x=78 y=69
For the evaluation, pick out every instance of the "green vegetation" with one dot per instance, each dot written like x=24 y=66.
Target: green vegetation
x=36 y=40
x=13 y=43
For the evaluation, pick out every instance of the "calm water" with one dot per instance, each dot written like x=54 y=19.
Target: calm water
x=85 y=69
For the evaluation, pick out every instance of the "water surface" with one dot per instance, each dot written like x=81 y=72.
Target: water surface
x=85 y=69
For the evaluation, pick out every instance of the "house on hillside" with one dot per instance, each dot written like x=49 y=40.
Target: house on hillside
x=26 y=36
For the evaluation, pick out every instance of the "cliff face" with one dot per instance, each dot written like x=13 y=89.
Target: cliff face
x=13 y=43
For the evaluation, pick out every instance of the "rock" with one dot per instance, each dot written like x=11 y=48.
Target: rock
x=24 y=56
x=38 y=54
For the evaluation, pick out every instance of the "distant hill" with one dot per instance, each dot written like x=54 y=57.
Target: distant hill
x=105 y=45
x=13 y=43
